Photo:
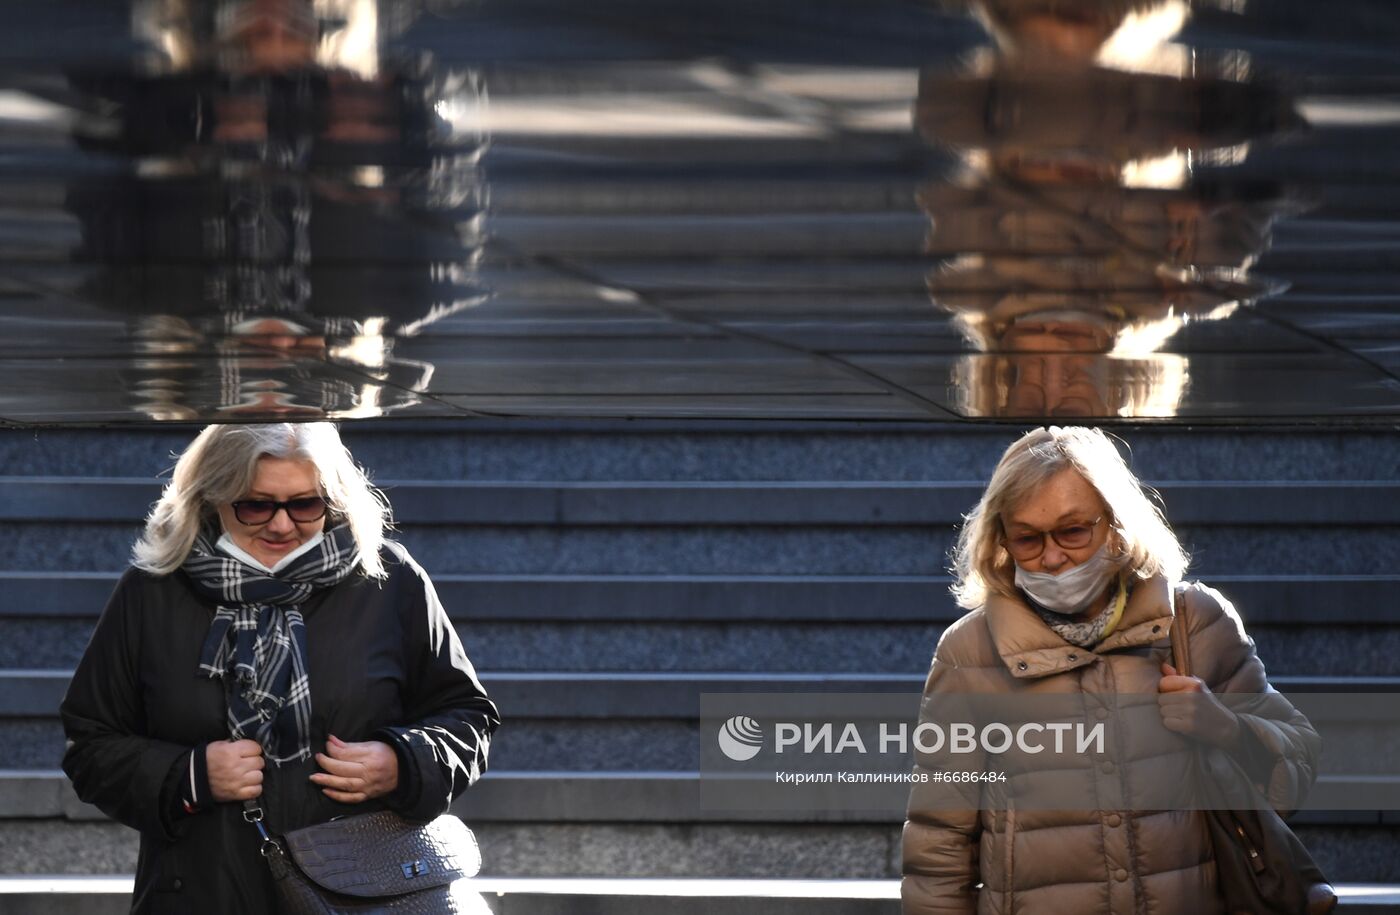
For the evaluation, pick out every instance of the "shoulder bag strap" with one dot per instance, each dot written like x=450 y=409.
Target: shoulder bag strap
x=270 y=848
x=1181 y=644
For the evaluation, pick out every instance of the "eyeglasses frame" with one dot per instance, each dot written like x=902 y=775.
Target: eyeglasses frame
x=1053 y=535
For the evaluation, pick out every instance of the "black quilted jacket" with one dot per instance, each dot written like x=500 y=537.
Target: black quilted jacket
x=384 y=664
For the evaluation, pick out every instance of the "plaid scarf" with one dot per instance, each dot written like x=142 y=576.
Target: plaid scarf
x=257 y=641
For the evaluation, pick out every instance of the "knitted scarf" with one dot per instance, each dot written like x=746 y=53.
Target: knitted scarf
x=257 y=641
x=1079 y=632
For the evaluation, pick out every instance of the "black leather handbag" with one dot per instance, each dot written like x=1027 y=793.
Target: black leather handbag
x=372 y=862
x=1262 y=868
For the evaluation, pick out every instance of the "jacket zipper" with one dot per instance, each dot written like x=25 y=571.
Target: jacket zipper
x=1255 y=860
x=1009 y=855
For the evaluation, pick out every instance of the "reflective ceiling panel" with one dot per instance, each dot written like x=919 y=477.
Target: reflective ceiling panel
x=967 y=210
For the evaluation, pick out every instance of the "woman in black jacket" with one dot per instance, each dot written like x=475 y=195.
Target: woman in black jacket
x=268 y=643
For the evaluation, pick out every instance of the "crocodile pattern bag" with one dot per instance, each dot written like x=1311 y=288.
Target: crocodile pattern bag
x=374 y=862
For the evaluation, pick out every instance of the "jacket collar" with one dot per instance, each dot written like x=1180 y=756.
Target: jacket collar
x=1029 y=648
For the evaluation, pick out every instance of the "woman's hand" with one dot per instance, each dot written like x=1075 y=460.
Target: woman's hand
x=235 y=769
x=1189 y=707
x=356 y=772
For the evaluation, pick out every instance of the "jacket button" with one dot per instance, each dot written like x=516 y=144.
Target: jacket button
x=1115 y=820
x=1022 y=665
x=1156 y=629
x=1120 y=875
x=1107 y=768
x=177 y=883
x=1074 y=657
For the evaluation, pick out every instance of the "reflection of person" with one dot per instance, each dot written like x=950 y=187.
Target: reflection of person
x=1066 y=385
x=1073 y=33
x=1069 y=574
x=1076 y=239
x=1063 y=355
x=292 y=174
x=270 y=367
x=268 y=643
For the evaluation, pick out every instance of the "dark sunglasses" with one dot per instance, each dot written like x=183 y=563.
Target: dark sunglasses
x=261 y=511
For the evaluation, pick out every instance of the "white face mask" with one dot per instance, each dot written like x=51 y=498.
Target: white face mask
x=1073 y=591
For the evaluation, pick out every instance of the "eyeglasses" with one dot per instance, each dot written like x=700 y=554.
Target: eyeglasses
x=261 y=511
x=1070 y=537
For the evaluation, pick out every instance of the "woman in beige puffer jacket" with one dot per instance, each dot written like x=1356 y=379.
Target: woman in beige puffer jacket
x=1061 y=500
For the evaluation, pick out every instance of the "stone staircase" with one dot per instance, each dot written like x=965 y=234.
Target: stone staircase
x=604 y=575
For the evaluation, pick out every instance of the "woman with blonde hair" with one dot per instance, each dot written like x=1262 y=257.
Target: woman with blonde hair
x=267 y=643
x=1072 y=578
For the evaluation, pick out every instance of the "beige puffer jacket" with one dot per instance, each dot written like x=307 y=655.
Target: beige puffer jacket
x=1126 y=860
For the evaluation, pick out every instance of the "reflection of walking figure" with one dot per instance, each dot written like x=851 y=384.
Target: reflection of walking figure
x=287 y=176
x=1078 y=237
x=1069 y=575
x=268 y=364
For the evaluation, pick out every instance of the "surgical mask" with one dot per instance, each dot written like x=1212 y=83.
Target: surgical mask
x=226 y=544
x=1071 y=591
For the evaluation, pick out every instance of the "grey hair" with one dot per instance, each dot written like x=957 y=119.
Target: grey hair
x=218 y=467
x=1146 y=544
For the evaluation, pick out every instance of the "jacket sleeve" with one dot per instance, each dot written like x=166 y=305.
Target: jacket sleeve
x=442 y=748
x=1278 y=744
x=128 y=776
x=941 y=836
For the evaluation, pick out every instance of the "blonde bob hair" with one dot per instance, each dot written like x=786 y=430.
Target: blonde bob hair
x=1138 y=531
x=218 y=467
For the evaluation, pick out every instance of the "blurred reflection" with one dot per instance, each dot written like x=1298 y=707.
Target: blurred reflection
x=1093 y=215
x=297 y=202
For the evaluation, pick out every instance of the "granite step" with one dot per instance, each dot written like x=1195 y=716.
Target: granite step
x=1279 y=599
x=506 y=796
x=57 y=895
x=591 y=722
x=1349 y=853
x=698 y=450
x=548 y=694
x=920 y=503
x=744 y=550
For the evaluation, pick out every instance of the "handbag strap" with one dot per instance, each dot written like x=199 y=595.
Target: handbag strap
x=1181 y=643
x=1320 y=898
x=270 y=848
